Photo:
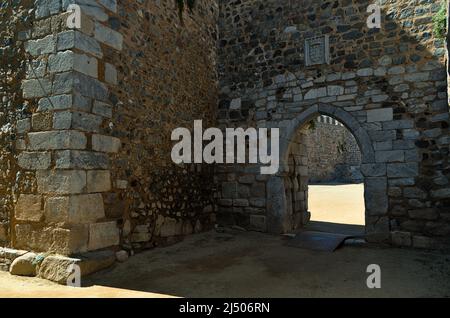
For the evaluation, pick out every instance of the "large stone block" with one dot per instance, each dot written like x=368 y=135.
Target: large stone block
x=414 y=193
x=74 y=159
x=376 y=197
x=380 y=115
x=56 y=268
x=74 y=82
x=424 y=242
x=103 y=235
x=382 y=135
x=57 y=140
x=11 y=253
x=61 y=62
x=401 y=238
x=229 y=190
x=45 y=8
x=276 y=204
x=57 y=240
x=24 y=265
x=98 y=181
x=29 y=208
x=441 y=193
x=23 y=126
x=335 y=90
x=402 y=170
x=107 y=144
x=85 y=64
x=76 y=40
x=61 y=181
x=77 y=120
x=423 y=214
x=315 y=93
x=43 y=46
x=34 y=160
x=91 y=8
x=108 y=36
x=258 y=223
x=34 y=88
x=141 y=234
x=365 y=72
x=74 y=209
x=59 y=102
x=378 y=229
x=437 y=228
x=68 y=60
x=398 y=124
x=171 y=227
x=373 y=170
x=390 y=156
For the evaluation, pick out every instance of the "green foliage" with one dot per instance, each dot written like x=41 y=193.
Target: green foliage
x=182 y=4
x=440 y=22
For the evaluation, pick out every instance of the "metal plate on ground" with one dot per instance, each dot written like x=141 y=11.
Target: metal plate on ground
x=318 y=241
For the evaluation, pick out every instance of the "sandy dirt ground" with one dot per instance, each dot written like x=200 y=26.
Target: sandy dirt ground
x=30 y=287
x=249 y=264
x=343 y=204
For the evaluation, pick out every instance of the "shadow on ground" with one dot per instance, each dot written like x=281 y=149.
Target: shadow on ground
x=248 y=264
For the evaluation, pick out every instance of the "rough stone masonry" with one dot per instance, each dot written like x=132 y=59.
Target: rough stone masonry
x=282 y=63
x=86 y=117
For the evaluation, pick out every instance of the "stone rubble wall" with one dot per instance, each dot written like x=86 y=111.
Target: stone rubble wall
x=166 y=78
x=333 y=153
x=388 y=86
x=14 y=18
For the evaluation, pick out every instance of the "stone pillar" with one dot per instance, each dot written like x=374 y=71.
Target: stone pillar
x=65 y=142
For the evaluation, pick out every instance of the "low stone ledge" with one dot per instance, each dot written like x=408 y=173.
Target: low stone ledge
x=24 y=265
x=10 y=253
x=56 y=267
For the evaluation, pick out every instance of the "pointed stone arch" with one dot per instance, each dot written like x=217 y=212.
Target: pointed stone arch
x=276 y=199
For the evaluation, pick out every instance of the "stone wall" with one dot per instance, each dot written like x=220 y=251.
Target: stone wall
x=388 y=86
x=86 y=138
x=14 y=19
x=92 y=146
x=167 y=78
x=333 y=153
x=61 y=146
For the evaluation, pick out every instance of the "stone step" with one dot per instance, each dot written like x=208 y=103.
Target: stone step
x=56 y=268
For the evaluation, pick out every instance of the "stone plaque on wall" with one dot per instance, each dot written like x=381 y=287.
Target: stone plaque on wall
x=317 y=50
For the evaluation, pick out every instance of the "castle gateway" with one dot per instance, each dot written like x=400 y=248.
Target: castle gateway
x=87 y=113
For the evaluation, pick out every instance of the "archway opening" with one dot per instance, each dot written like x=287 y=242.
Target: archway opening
x=324 y=186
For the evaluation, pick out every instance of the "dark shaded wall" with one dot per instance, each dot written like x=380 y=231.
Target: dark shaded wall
x=167 y=78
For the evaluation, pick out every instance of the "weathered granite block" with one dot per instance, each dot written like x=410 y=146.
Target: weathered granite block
x=61 y=181
x=29 y=208
x=54 y=140
x=74 y=209
x=103 y=235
